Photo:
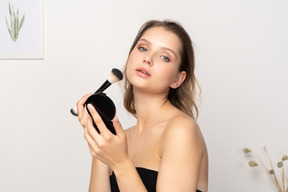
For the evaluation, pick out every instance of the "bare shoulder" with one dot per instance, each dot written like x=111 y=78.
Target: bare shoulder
x=183 y=156
x=182 y=124
x=181 y=121
x=182 y=129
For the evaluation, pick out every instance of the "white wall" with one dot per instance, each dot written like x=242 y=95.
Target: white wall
x=241 y=53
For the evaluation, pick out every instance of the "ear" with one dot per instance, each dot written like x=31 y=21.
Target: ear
x=179 y=80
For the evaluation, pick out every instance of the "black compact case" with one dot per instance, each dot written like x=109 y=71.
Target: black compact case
x=105 y=107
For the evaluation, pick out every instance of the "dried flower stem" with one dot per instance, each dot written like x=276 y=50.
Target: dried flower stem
x=282 y=187
x=273 y=178
x=287 y=183
x=283 y=177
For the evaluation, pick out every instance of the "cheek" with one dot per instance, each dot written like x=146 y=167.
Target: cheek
x=129 y=68
x=134 y=57
x=169 y=73
x=131 y=60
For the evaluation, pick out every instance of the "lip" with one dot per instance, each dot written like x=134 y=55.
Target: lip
x=141 y=71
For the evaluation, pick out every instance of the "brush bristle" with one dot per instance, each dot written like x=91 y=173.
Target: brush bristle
x=74 y=111
x=115 y=76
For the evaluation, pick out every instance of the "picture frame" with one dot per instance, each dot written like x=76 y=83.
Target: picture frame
x=21 y=29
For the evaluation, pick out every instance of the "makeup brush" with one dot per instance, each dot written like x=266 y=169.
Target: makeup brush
x=114 y=76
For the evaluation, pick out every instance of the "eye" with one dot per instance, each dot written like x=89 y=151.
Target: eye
x=143 y=49
x=165 y=58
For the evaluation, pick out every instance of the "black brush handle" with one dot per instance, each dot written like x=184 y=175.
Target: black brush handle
x=104 y=86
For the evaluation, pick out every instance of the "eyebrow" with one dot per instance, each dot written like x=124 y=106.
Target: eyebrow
x=165 y=48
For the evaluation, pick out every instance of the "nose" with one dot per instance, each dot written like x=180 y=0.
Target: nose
x=148 y=59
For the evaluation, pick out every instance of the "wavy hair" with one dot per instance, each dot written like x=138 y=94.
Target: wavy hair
x=184 y=97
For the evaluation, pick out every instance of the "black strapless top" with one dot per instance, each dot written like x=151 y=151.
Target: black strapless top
x=148 y=177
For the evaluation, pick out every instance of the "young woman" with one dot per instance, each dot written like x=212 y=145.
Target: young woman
x=165 y=150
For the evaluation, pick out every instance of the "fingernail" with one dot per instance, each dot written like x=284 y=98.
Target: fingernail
x=89 y=105
x=116 y=119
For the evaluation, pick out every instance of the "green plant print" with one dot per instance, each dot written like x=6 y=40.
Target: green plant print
x=15 y=24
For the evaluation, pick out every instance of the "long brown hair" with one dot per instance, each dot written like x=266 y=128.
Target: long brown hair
x=184 y=97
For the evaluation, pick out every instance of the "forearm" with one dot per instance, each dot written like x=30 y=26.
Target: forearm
x=128 y=178
x=100 y=180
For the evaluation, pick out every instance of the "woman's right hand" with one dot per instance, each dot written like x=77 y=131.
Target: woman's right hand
x=82 y=111
x=100 y=180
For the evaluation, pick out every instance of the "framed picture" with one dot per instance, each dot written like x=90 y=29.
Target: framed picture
x=21 y=29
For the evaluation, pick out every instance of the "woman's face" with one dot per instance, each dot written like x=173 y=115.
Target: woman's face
x=153 y=64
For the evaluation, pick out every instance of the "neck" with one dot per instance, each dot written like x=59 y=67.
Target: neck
x=151 y=108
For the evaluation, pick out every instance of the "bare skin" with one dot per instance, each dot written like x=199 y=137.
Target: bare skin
x=175 y=129
x=164 y=139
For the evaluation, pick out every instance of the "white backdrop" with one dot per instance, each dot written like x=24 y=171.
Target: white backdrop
x=241 y=58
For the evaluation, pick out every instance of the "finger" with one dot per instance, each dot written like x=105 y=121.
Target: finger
x=84 y=118
x=92 y=131
x=92 y=144
x=80 y=105
x=118 y=127
x=92 y=152
x=99 y=122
